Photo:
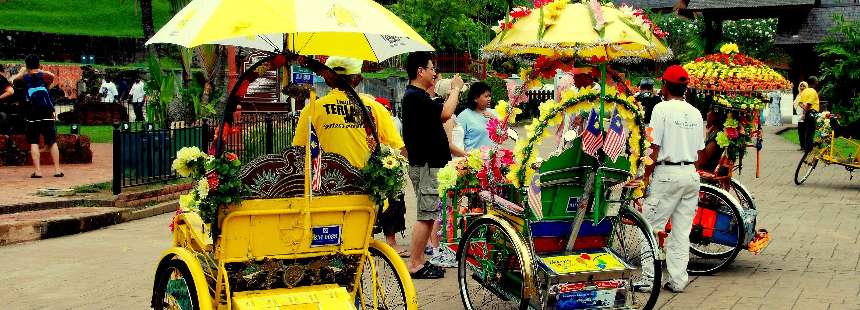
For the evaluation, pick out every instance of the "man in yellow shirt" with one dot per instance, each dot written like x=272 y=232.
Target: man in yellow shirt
x=339 y=123
x=808 y=100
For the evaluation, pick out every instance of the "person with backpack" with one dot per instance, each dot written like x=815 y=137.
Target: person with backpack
x=40 y=113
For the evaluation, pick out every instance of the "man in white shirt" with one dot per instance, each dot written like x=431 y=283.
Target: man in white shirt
x=108 y=91
x=137 y=93
x=678 y=132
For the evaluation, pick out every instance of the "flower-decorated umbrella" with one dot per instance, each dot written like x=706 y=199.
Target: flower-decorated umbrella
x=736 y=81
x=730 y=71
x=580 y=30
x=560 y=33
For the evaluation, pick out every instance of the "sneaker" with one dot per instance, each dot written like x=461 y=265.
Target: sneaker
x=429 y=251
x=643 y=286
x=444 y=259
x=671 y=287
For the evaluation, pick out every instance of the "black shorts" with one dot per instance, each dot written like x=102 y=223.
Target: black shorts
x=393 y=219
x=45 y=128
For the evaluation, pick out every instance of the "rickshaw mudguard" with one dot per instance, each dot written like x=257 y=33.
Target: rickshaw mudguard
x=322 y=297
x=526 y=260
x=197 y=274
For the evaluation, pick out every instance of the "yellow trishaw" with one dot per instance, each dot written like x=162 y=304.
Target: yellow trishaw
x=283 y=246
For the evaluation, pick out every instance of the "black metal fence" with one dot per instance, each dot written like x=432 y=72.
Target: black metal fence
x=143 y=154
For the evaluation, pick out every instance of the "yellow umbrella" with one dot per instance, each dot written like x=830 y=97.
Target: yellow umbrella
x=360 y=29
x=571 y=30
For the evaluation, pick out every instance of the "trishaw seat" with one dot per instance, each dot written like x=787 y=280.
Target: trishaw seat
x=282 y=175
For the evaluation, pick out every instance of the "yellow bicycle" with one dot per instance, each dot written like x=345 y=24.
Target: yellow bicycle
x=829 y=149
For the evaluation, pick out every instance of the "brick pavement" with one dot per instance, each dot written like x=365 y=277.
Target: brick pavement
x=812 y=262
x=17 y=186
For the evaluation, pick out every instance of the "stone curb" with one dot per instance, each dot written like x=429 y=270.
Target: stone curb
x=38 y=230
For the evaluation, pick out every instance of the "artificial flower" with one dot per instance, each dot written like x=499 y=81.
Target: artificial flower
x=497 y=130
x=722 y=139
x=446 y=178
x=474 y=160
x=231 y=156
x=390 y=162
x=203 y=188
x=212 y=179
x=187 y=202
x=732 y=133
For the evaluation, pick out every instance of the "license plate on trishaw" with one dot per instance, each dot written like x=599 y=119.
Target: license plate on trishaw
x=326 y=235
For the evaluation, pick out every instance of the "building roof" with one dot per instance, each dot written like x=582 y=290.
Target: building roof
x=698 y=5
x=648 y=4
x=816 y=26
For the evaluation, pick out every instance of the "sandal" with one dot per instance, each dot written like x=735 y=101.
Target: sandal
x=59 y=175
x=428 y=271
x=403 y=253
x=34 y=176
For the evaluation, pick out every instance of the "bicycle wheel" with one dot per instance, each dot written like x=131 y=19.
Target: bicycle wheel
x=740 y=192
x=805 y=166
x=174 y=288
x=489 y=271
x=634 y=242
x=393 y=288
x=715 y=245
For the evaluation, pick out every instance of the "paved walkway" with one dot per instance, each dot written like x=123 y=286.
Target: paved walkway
x=812 y=262
x=17 y=186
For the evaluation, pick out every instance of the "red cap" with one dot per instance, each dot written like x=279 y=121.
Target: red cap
x=676 y=74
x=384 y=102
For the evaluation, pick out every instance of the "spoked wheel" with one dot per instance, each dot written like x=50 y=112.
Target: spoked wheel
x=489 y=271
x=174 y=288
x=805 y=166
x=382 y=284
x=633 y=241
x=717 y=235
x=742 y=195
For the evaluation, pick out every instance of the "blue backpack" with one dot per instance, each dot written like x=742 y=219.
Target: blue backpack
x=41 y=105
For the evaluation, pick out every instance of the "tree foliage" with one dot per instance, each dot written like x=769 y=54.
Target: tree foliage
x=687 y=36
x=449 y=25
x=840 y=68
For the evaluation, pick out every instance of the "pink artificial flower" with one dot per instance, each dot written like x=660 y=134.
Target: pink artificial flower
x=212 y=179
x=497 y=130
x=540 y=3
x=732 y=133
x=506 y=157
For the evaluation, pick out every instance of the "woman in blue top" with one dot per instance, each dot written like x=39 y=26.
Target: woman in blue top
x=475 y=117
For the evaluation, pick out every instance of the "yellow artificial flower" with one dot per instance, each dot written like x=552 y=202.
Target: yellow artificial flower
x=474 y=160
x=502 y=108
x=203 y=188
x=447 y=178
x=187 y=203
x=390 y=162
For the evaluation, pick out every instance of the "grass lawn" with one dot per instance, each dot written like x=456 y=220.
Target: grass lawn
x=97 y=133
x=114 y=18
x=843 y=147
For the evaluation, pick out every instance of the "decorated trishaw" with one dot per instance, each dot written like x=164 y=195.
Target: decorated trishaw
x=733 y=87
x=560 y=232
x=828 y=147
x=290 y=230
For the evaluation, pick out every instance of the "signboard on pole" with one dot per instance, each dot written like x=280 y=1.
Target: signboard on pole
x=301 y=75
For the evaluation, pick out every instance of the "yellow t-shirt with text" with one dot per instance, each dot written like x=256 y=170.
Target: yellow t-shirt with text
x=340 y=126
x=809 y=96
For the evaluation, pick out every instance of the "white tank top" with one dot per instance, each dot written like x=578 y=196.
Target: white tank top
x=458 y=134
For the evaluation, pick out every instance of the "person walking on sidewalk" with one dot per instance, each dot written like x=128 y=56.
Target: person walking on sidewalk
x=427 y=147
x=138 y=92
x=40 y=116
x=808 y=101
x=678 y=133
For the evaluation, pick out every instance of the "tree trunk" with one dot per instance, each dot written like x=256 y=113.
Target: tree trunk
x=147 y=23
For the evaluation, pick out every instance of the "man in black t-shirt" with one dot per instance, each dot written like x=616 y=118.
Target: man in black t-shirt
x=647 y=98
x=427 y=148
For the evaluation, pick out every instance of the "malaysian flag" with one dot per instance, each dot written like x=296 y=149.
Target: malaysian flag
x=615 y=144
x=316 y=158
x=534 y=196
x=592 y=137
